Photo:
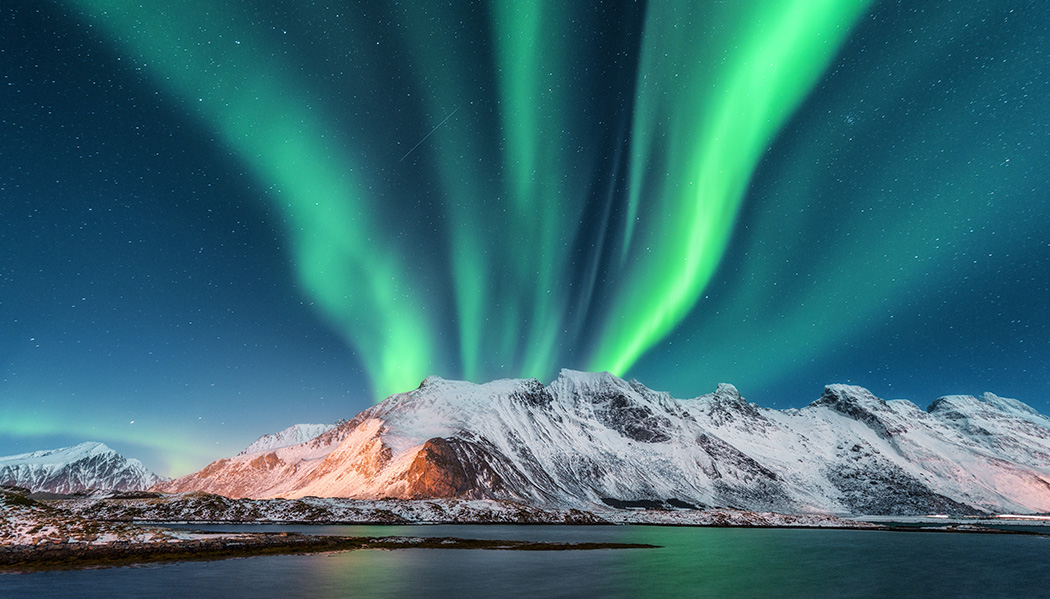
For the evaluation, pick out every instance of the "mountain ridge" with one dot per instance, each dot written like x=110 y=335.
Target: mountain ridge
x=86 y=466
x=293 y=435
x=592 y=438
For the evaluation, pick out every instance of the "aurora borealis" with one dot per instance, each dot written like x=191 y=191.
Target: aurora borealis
x=221 y=219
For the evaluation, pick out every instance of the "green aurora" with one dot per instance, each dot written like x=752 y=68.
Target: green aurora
x=708 y=102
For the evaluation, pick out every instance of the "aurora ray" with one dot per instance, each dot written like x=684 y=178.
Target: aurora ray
x=705 y=114
x=702 y=118
x=350 y=266
x=906 y=240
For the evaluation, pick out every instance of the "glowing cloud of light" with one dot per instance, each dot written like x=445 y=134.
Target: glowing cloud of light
x=922 y=220
x=715 y=86
x=349 y=265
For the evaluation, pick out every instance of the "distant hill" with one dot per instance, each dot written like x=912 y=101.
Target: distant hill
x=78 y=468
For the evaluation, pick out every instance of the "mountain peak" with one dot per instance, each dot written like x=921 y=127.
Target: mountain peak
x=430 y=381
x=967 y=406
x=91 y=448
x=861 y=405
x=293 y=435
x=89 y=465
x=726 y=391
x=850 y=400
x=604 y=376
x=849 y=394
x=81 y=450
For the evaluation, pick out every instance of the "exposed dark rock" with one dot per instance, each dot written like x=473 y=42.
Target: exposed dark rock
x=860 y=405
x=532 y=393
x=726 y=455
x=458 y=468
x=438 y=472
x=678 y=503
x=885 y=489
x=626 y=504
x=631 y=420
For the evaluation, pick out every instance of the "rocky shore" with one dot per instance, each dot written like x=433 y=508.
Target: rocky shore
x=20 y=558
x=112 y=530
x=207 y=507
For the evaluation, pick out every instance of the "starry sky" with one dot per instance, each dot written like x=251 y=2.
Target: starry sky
x=220 y=219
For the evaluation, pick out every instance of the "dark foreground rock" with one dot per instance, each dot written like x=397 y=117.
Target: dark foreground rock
x=22 y=558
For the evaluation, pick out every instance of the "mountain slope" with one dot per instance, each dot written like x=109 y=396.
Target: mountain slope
x=77 y=468
x=590 y=439
x=293 y=435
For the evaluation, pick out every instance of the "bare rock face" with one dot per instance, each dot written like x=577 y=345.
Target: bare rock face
x=859 y=404
x=437 y=472
x=446 y=468
x=631 y=419
x=593 y=439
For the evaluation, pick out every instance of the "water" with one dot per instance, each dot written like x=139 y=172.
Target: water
x=694 y=562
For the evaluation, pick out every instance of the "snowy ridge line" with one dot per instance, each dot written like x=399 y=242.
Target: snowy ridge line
x=592 y=440
x=293 y=435
x=74 y=469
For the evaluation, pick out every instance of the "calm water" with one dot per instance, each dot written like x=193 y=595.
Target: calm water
x=695 y=562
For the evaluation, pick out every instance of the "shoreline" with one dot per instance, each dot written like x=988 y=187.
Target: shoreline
x=75 y=556
x=100 y=532
x=189 y=545
x=22 y=559
x=843 y=523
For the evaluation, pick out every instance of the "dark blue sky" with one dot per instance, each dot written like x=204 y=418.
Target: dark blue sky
x=155 y=291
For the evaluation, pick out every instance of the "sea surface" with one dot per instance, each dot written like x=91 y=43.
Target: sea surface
x=692 y=562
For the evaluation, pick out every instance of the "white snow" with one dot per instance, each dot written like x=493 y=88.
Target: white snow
x=88 y=465
x=589 y=436
x=64 y=455
x=293 y=435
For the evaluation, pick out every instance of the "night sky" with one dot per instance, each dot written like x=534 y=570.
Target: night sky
x=221 y=219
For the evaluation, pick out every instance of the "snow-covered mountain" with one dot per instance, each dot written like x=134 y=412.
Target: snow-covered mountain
x=293 y=435
x=78 y=468
x=592 y=438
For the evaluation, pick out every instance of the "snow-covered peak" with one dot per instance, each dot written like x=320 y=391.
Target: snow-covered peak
x=726 y=393
x=293 y=435
x=727 y=389
x=861 y=405
x=434 y=387
x=59 y=455
x=968 y=406
x=574 y=383
x=840 y=394
x=432 y=381
x=587 y=379
x=1007 y=404
x=947 y=404
x=90 y=465
x=440 y=394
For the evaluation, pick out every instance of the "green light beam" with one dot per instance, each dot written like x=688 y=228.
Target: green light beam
x=212 y=60
x=699 y=136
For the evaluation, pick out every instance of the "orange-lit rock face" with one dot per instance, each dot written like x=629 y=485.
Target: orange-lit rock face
x=437 y=471
x=210 y=470
x=266 y=461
